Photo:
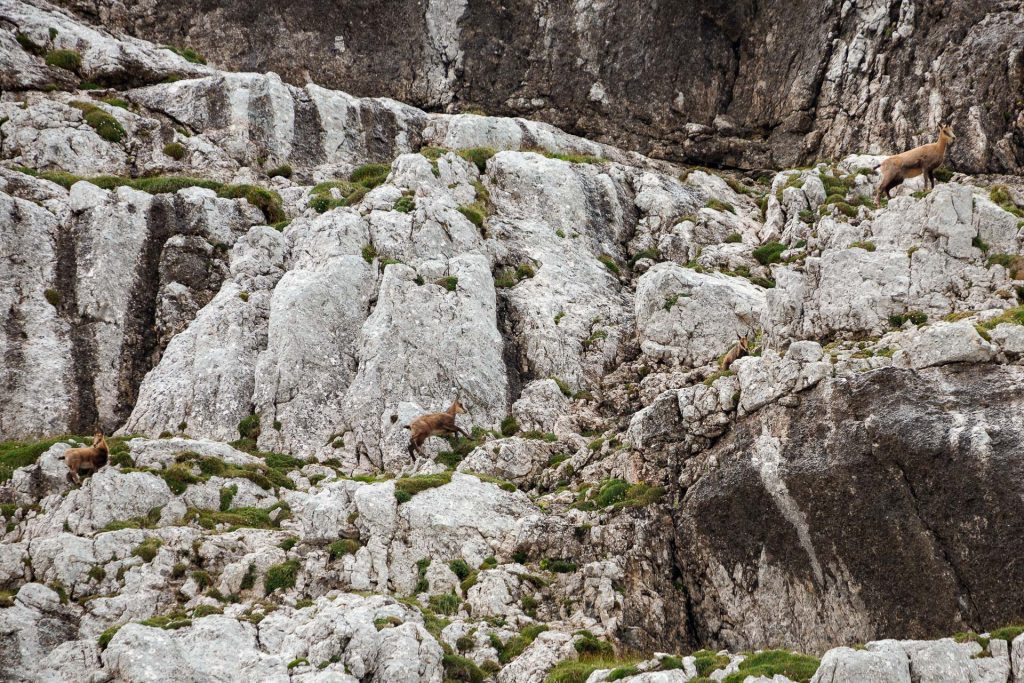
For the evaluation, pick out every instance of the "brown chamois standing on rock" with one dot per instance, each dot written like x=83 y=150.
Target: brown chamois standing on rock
x=740 y=348
x=920 y=160
x=434 y=424
x=89 y=458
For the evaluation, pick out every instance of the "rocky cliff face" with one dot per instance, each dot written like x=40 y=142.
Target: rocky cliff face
x=258 y=285
x=742 y=84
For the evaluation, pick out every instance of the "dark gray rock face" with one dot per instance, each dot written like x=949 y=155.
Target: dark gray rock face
x=743 y=84
x=880 y=506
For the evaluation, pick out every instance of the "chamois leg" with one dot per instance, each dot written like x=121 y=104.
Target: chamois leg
x=929 y=178
x=463 y=432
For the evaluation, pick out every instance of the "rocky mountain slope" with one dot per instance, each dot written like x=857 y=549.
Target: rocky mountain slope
x=257 y=286
x=730 y=83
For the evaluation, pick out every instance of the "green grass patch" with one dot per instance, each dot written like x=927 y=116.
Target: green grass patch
x=866 y=246
x=322 y=198
x=267 y=201
x=148 y=549
x=187 y=53
x=768 y=253
x=609 y=263
x=571 y=158
x=449 y=282
x=799 y=668
x=733 y=238
x=707 y=661
x=370 y=175
x=1007 y=633
x=282 y=171
x=1013 y=316
x=1000 y=194
x=916 y=317
x=15 y=454
x=478 y=156
x=407 y=487
x=69 y=60
x=105 y=125
x=107 y=636
x=175 y=150
x=474 y=213
x=445 y=603
x=405 y=204
x=342 y=547
x=557 y=565
x=616 y=494
x=462 y=669
x=718 y=205
x=509 y=426
x=979 y=243
x=238 y=518
x=281 y=576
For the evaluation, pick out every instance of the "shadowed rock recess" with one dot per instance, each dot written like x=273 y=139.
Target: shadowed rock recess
x=254 y=286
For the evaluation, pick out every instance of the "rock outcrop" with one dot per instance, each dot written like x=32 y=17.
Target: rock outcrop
x=256 y=285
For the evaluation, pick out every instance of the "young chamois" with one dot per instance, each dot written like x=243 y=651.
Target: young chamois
x=740 y=348
x=434 y=424
x=87 y=458
x=920 y=160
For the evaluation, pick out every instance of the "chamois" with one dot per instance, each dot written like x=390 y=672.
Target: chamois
x=920 y=160
x=434 y=424
x=87 y=458
x=740 y=348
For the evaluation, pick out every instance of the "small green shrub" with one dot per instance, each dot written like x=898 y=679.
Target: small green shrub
x=866 y=246
x=342 y=547
x=370 y=175
x=148 y=549
x=405 y=204
x=97 y=573
x=733 y=238
x=768 y=253
x=557 y=565
x=478 y=156
x=281 y=576
x=462 y=669
x=446 y=603
x=105 y=125
x=509 y=426
x=588 y=644
x=227 y=494
x=175 y=150
x=69 y=60
x=52 y=297
x=283 y=171
x=916 y=317
x=249 y=427
x=460 y=568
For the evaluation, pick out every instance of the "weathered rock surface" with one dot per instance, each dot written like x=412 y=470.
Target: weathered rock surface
x=755 y=86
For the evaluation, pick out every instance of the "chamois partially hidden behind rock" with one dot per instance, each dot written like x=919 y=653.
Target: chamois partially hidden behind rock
x=740 y=348
x=920 y=160
x=434 y=424
x=87 y=458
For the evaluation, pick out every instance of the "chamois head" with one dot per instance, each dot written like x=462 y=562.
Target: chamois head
x=744 y=343
x=97 y=438
x=456 y=407
x=946 y=131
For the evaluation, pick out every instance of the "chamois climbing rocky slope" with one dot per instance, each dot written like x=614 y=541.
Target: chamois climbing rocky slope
x=256 y=286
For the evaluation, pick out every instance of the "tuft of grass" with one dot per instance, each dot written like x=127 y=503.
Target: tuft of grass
x=407 y=487
x=1001 y=196
x=382 y=623
x=267 y=201
x=369 y=253
x=446 y=603
x=768 y=253
x=460 y=568
x=115 y=102
x=238 y=518
x=52 y=297
x=284 y=171
x=449 y=282
x=916 y=317
x=227 y=494
x=300 y=661
x=281 y=576
x=671 y=663
x=571 y=158
x=249 y=427
x=866 y=246
x=1014 y=316
x=175 y=150
x=617 y=494
x=105 y=125
x=462 y=669
x=718 y=205
x=178 y=477
x=97 y=573
x=651 y=253
x=707 y=661
x=609 y=263
x=69 y=60
x=187 y=53
x=478 y=156
x=733 y=238
x=1007 y=633
x=107 y=636
x=405 y=204
x=148 y=549
x=28 y=45
x=474 y=214
x=322 y=198
x=979 y=243
x=1014 y=263
x=342 y=547
x=509 y=426
x=370 y=175
x=797 y=667
x=557 y=565
x=578 y=671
